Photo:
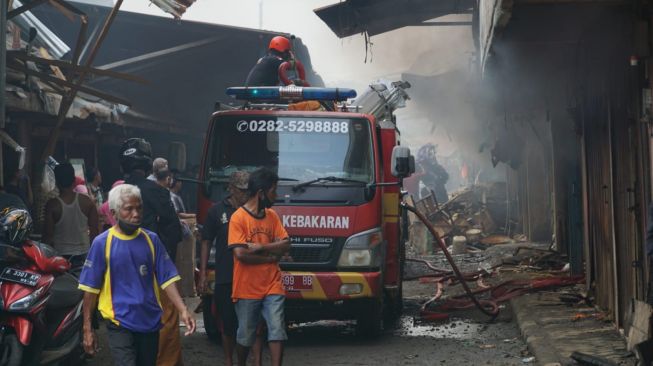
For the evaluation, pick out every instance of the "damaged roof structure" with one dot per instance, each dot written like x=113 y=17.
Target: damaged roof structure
x=351 y=17
x=152 y=76
x=175 y=7
x=187 y=65
x=36 y=75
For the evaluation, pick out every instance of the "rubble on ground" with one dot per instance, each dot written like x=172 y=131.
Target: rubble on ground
x=475 y=226
x=474 y=219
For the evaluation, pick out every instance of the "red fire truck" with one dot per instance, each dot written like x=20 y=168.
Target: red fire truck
x=338 y=196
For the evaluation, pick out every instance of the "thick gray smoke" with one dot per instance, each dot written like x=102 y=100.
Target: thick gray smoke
x=438 y=62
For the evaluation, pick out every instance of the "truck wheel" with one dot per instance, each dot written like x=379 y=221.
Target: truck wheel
x=210 y=323
x=12 y=351
x=370 y=321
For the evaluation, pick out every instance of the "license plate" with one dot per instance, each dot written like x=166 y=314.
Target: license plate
x=18 y=276
x=294 y=283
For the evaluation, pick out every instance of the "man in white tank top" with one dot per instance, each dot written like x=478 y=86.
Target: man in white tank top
x=71 y=219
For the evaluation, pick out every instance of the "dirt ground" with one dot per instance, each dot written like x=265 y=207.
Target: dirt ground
x=467 y=339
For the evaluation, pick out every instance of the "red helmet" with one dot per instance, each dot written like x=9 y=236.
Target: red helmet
x=280 y=43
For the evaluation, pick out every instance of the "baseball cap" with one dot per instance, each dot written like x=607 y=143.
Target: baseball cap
x=239 y=179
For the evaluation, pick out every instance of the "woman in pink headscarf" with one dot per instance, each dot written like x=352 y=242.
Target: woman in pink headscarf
x=106 y=218
x=80 y=186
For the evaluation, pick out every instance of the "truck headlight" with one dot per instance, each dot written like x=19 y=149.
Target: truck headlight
x=362 y=250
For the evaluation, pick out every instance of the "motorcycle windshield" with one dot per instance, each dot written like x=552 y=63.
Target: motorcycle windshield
x=298 y=148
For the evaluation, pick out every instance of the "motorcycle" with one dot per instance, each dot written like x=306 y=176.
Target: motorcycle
x=40 y=307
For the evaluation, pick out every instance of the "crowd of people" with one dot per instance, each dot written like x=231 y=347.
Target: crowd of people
x=127 y=237
x=124 y=242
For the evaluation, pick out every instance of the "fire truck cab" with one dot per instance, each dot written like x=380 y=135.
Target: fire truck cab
x=339 y=193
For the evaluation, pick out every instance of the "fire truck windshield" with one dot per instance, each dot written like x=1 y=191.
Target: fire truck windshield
x=297 y=148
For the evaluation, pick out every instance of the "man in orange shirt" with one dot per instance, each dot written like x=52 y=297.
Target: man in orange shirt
x=258 y=240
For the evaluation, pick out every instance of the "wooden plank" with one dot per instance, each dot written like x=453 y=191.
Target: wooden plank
x=640 y=328
x=76 y=68
x=57 y=71
x=85 y=89
x=24 y=8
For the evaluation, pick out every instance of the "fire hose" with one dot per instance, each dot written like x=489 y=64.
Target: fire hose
x=488 y=307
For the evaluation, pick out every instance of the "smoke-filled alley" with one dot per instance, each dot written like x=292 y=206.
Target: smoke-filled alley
x=323 y=182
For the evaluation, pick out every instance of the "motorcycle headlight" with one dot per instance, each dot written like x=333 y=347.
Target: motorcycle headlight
x=362 y=250
x=26 y=302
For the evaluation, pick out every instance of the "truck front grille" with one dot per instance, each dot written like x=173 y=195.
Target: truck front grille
x=310 y=255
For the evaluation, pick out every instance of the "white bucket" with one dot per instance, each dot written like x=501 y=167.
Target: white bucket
x=459 y=245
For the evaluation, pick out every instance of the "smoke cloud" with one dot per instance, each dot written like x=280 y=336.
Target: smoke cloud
x=435 y=60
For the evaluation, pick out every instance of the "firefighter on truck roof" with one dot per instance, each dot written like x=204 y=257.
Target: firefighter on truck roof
x=266 y=70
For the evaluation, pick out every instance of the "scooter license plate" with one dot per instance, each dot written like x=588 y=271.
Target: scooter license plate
x=18 y=276
x=295 y=283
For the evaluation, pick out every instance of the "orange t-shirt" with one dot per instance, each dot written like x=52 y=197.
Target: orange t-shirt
x=255 y=281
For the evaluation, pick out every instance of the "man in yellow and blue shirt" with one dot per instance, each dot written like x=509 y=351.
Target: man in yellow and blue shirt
x=124 y=270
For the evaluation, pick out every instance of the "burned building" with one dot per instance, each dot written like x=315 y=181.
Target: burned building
x=562 y=93
x=572 y=80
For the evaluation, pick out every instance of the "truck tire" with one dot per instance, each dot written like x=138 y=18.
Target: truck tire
x=369 y=323
x=11 y=351
x=210 y=323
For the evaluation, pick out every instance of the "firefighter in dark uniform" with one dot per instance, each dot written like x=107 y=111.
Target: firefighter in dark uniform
x=215 y=234
x=266 y=70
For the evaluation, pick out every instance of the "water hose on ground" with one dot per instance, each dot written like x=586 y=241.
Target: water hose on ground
x=489 y=308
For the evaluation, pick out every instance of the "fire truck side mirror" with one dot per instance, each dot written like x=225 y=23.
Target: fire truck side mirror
x=403 y=163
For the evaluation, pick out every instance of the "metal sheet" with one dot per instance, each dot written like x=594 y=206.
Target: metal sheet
x=45 y=37
x=353 y=17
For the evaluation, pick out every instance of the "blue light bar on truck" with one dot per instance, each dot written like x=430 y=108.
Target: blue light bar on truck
x=273 y=93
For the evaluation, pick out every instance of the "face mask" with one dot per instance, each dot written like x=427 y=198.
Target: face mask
x=264 y=202
x=127 y=227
